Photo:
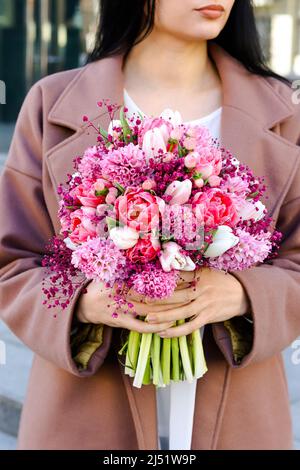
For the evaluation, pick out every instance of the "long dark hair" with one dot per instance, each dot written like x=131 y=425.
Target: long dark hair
x=123 y=24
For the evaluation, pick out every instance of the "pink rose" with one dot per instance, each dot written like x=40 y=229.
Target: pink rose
x=215 y=207
x=91 y=194
x=209 y=162
x=139 y=210
x=83 y=225
x=145 y=250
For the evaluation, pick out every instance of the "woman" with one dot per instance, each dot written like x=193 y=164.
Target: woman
x=196 y=58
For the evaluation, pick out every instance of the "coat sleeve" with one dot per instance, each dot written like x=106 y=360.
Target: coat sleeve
x=273 y=289
x=25 y=229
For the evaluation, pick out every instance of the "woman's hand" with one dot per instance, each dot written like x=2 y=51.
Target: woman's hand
x=97 y=307
x=216 y=297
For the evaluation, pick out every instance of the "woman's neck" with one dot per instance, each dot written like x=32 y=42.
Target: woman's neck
x=164 y=62
x=165 y=72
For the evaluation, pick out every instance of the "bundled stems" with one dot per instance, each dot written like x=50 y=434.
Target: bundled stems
x=155 y=356
x=185 y=356
x=166 y=361
x=132 y=353
x=200 y=366
x=143 y=361
x=175 y=360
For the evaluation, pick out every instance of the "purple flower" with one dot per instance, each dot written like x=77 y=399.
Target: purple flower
x=154 y=283
x=125 y=165
x=251 y=250
x=99 y=259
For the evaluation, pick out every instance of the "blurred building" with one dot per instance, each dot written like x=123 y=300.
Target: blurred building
x=40 y=37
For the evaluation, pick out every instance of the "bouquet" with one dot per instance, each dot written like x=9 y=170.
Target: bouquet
x=152 y=198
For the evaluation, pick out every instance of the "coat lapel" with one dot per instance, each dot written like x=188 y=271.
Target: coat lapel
x=251 y=109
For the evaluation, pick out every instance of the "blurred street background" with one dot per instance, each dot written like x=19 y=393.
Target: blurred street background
x=40 y=37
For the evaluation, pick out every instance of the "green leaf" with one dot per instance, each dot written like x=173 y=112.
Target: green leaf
x=126 y=128
x=197 y=176
x=111 y=223
x=104 y=133
x=119 y=187
x=104 y=192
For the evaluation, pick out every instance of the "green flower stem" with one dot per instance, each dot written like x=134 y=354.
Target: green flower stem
x=142 y=362
x=185 y=356
x=147 y=376
x=155 y=352
x=200 y=366
x=175 y=360
x=132 y=353
x=166 y=360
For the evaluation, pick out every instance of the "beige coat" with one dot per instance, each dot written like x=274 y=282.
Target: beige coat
x=237 y=406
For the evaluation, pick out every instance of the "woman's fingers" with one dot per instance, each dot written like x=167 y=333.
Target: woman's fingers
x=143 y=309
x=182 y=330
x=181 y=296
x=180 y=313
x=140 y=326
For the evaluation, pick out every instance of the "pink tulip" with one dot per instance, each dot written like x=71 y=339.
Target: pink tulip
x=153 y=143
x=172 y=257
x=179 y=191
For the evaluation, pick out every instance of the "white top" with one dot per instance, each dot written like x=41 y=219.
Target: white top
x=176 y=403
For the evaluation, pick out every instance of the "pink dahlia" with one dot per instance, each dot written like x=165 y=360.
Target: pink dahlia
x=126 y=166
x=250 y=250
x=99 y=259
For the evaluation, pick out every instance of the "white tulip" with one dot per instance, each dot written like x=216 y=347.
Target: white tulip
x=69 y=244
x=172 y=258
x=124 y=237
x=174 y=117
x=250 y=210
x=154 y=141
x=223 y=240
x=180 y=191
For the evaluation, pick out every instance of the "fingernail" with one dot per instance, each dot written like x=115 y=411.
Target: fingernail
x=163 y=334
x=150 y=318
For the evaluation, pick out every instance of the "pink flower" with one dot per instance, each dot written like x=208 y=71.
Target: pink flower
x=83 y=225
x=215 y=207
x=154 y=144
x=91 y=194
x=172 y=257
x=126 y=166
x=209 y=162
x=154 y=283
x=139 y=210
x=251 y=250
x=149 y=124
x=145 y=250
x=100 y=260
x=179 y=192
x=89 y=166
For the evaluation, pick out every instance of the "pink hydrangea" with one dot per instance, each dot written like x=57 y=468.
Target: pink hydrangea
x=250 y=250
x=154 y=283
x=99 y=259
x=126 y=166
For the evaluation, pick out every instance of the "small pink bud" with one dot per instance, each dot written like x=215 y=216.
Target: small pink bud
x=191 y=160
x=148 y=185
x=168 y=157
x=214 y=181
x=199 y=183
x=85 y=118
